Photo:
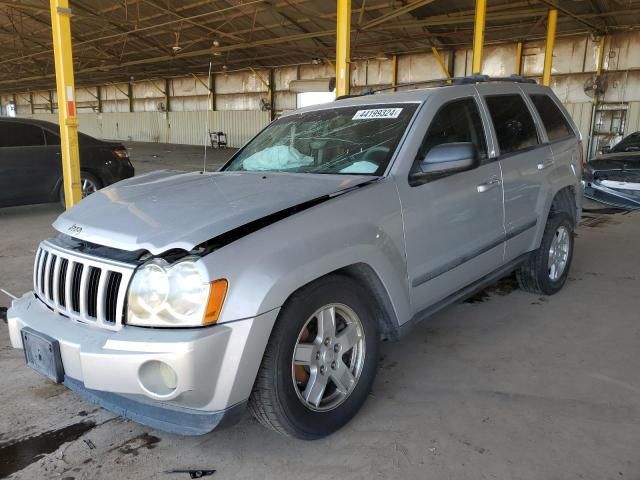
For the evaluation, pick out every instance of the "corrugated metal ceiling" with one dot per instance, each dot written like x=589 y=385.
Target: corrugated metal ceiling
x=118 y=41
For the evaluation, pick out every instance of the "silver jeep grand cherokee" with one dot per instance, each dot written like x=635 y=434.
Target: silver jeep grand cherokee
x=176 y=299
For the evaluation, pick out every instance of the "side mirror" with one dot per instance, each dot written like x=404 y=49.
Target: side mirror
x=446 y=159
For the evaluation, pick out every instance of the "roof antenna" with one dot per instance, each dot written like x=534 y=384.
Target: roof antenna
x=208 y=121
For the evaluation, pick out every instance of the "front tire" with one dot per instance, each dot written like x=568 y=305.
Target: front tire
x=545 y=271
x=320 y=362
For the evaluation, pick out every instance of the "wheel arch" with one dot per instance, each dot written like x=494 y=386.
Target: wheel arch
x=365 y=275
x=60 y=182
x=386 y=316
x=564 y=200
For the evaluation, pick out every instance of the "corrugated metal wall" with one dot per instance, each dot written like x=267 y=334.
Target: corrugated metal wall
x=240 y=126
x=240 y=96
x=47 y=117
x=633 y=118
x=187 y=128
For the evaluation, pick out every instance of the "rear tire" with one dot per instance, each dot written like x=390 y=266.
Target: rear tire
x=312 y=381
x=545 y=271
x=89 y=182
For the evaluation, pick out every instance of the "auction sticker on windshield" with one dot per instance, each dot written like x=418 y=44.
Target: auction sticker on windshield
x=377 y=113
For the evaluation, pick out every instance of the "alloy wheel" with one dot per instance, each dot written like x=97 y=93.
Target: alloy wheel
x=328 y=357
x=559 y=253
x=88 y=187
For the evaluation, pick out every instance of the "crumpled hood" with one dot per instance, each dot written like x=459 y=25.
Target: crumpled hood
x=163 y=210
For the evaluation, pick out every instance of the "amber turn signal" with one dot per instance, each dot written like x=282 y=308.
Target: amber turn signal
x=217 y=293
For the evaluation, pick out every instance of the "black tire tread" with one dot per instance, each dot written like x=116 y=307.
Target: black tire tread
x=264 y=400
x=529 y=274
x=261 y=401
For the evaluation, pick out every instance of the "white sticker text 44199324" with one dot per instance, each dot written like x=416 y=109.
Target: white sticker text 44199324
x=377 y=113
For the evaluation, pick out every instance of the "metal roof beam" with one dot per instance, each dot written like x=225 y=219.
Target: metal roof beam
x=592 y=26
x=396 y=12
x=196 y=53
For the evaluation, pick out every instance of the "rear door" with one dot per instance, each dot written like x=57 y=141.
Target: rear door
x=561 y=135
x=453 y=225
x=523 y=154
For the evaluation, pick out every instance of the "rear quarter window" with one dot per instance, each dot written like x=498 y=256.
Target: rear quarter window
x=554 y=121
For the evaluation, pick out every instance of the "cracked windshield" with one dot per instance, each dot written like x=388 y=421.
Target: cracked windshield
x=357 y=140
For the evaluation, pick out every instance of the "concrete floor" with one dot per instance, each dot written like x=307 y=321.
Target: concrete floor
x=506 y=386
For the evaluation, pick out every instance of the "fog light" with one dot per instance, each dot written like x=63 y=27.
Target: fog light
x=158 y=378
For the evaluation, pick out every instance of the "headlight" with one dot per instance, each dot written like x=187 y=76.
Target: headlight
x=174 y=295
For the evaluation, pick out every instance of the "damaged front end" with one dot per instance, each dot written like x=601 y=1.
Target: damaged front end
x=613 y=182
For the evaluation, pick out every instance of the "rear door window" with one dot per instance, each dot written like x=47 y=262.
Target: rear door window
x=21 y=135
x=52 y=138
x=512 y=122
x=552 y=118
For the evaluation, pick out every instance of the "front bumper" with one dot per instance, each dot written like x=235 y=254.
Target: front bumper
x=215 y=367
x=616 y=194
x=161 y=416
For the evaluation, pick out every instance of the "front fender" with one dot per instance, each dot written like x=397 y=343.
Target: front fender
x=266 y=267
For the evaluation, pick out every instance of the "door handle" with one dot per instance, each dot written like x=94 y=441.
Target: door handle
x=489 y=185
x=545 y=164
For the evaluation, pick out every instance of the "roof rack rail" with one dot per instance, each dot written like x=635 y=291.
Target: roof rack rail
x=478 y=78
x=441 y=82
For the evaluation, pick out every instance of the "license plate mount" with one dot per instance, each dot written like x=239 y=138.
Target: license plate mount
x=42 y=354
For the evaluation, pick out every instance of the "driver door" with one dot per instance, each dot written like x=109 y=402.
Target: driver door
x=454 y=226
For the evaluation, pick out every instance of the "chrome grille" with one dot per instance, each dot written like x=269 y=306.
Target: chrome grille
x=84 y=288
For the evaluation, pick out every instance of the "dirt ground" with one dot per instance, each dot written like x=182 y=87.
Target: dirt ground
x=504 y=386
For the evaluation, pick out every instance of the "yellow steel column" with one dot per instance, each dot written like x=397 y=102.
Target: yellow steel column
x=478 y=35
x=394 y=72
x=519 y=58
x=600 y=55
x=61 y=26
x=343 y=47
x=552 y=23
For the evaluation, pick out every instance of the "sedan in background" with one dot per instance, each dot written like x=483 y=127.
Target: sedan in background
x=31 y=162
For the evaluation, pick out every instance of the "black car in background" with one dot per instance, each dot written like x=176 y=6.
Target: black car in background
x=613 y=177
x=31 y=162
x=628 y=144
